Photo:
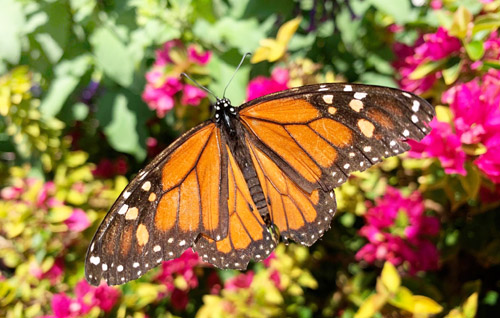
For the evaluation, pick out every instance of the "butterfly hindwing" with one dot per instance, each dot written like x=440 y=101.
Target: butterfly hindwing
x=248 y=237
x=163 y=210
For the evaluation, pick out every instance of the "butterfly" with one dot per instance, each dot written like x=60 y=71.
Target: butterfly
x=233 y=185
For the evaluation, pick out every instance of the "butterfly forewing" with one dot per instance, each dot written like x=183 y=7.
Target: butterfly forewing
x=163 y=210
x=317 y=135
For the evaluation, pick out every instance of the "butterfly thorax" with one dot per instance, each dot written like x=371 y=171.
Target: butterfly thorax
x=226 y=116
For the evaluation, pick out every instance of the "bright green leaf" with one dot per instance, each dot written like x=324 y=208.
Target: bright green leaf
x=475 y=50
x=12 y=21
x=112 y=56
x=122 y=128
x=68 y=75
x=399 y=10
x=59 y=213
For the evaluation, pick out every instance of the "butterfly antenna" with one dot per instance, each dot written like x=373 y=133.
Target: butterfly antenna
x=199 y=85
x=239 y=65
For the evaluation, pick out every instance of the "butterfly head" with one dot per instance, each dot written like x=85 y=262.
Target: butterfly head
x=223 y=109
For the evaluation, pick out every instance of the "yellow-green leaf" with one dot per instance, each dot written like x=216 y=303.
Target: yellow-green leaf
x=370 y=306
x=461 y=20
x=402 y=299
x=425 y=69
x=475 y=50
x=489 y=22
x=444 y=114
x=425 y=305
x=470 y=306
x=390 y=277
x=451 y=74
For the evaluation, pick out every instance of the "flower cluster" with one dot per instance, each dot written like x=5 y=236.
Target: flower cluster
x=476 y=121
x=179 y=276
x=164 y=84
x=45 y=199
x=87 y=297
x=398 y=231
x=428 y=48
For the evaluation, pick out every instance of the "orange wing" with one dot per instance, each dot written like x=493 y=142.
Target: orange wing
x=248 y=237
x=154 y=221
x=306 y=141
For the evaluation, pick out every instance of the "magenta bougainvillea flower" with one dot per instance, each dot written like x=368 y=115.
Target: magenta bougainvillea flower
x=87 y=297
x=78 y=221
x=261 y=85
x=164 y=86
x=182 y=266
x=398 y=231
x=429 y=47
x=54 y=273
x=242 y=280
x=441 y=143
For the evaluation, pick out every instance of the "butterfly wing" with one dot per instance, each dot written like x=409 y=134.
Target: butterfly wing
x=306 y=141
x=163 y=210
x=248 y=237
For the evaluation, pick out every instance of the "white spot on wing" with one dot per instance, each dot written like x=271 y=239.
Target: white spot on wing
x=119 y=268
x=348 y=88
x=406 y=133
x=359 y=95
x=123 y=209
x=126 y=194
x=416 y=106
x=95 y=260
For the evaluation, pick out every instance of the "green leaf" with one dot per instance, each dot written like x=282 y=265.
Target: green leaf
x=471 y=182
x=451 y=74
x=68 y=75
x=475 y=50
x=461 y=20
x=12 y=21
x=53 y=35
x=123 y=127
x=425 y=305
x=399 y=10
x=426 y=68
x=112 y=56
x=402 y=299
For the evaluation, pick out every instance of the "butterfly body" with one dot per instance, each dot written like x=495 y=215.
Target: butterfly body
x=272 y=163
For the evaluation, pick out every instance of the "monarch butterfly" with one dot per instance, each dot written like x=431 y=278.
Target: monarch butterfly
x=227 y=186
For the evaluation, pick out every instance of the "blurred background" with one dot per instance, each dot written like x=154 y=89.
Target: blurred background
x=90 y=92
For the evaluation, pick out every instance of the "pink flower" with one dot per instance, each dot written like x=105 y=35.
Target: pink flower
x=103 y=296
x=78 y=221
x=181 y=266
x=443 y=144
x=197 y=56
x=239 y=281
x=162 y=55
x=429 y=47
x=436 y=4
x=11 y=193
x=275 y=278
x=261 y=85
x=489 y=163
x=65 y=307
x=54 y=273
x=397 y=230
x=268 y=260
x=46 y=192
x=438 y=45
x=475 y=106
x=179 y=299
x=163 y=84
x=192 y=95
